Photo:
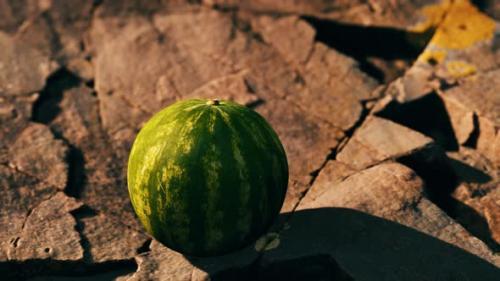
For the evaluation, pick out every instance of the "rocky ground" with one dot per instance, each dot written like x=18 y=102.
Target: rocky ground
x=389 y=112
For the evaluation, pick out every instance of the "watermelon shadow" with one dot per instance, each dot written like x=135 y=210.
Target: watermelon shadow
x=345 y=244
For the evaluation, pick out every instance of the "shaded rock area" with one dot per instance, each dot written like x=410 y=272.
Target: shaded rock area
x=388 y=112
x=477 y=100
x=384 y=13
x=365 y=251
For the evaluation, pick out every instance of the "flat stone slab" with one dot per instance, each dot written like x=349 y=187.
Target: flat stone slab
x=49 y=232
x=109 y=240
x=380 y=214
x=23 y=68
x=380 y=139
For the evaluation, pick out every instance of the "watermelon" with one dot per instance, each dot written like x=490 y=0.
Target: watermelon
x=207 y=177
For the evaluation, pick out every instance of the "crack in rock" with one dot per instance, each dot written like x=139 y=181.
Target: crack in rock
x=46 y=107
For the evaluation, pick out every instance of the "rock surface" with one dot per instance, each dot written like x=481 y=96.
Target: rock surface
x=165 y=264
x=37 y=153
x=378 y=140
x=477 y=194
x=353 y=216
x=23 y=68
x=477 y=104
x=388 y=111
x=35 y=170
x=49 y=232
x=380 y=13
x=109 y=240
x=15 y=111
x=408 y=205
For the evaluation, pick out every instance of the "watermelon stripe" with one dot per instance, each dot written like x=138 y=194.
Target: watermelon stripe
x=273 y=194
x=255 y=131
x=196 y=180
x=254 y=195
x=282 y=161
x=212 y=167
x=230 y=184
x=179 y=210
x=244 y=221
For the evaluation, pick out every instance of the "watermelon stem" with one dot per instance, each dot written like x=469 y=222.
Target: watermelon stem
x=213 y=102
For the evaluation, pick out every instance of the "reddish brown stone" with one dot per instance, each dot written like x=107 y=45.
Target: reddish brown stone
x=109 y=240
x=16 y=113
x=364 y=215
x=334 y=172
x=37 y=153
x=477 y=95
x=379 y=139
x=21 y=192
x=491 y=209
x=399 y=14
x=23 y=69
x=291 y=36
x=99 y=179
x=49 y=232
x=477 y=194
x=461 y=118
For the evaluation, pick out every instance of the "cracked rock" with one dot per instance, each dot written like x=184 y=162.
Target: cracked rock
x=406 y=205
x=23 y=69
x=479 y=211
x=477 y=195
x=330 y=82
x=37 y=153
x=54 y=28
x=98 y=175
x=461 y=118
x=135 y=7
x=381 y=215
x=332 y=173
x=380 y=139
x=49 y=232
x=477 y=97
x=353 y=213
x=464 y=44
x=165 y=74
x=471 y=166
x=492 y=212
x=387 y=13
x=17 y=113
x=108 y=240
x=20 y=194
x=336 y=87
x=298 y=131
x=291 y=36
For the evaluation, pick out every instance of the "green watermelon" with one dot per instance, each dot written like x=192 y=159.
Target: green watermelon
x=207 y=177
